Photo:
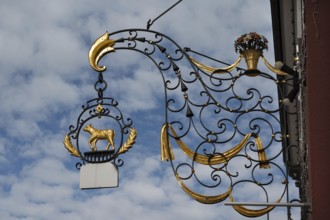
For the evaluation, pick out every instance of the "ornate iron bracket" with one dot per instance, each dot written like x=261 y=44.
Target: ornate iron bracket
x=227 y=125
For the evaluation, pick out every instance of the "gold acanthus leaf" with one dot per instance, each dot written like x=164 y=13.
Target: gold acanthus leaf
x=129 y=142
x=69 y=146
x=102 y=46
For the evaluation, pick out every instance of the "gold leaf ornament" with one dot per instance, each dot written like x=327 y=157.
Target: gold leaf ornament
x=129 y=142
x=69 y=146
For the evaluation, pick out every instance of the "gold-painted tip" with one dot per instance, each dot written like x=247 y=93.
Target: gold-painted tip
x=102 y=46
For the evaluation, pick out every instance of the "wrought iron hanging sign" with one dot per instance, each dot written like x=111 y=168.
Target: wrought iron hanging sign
x=222 y=128
x=99 y=167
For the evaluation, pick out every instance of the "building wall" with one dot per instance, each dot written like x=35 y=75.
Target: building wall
x=318 y=105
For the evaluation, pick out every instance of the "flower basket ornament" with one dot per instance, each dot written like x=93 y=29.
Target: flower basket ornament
x=250 y=47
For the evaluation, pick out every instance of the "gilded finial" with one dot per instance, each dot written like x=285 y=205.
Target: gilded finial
x=102 y=46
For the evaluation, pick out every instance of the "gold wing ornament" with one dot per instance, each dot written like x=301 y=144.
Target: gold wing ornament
x=100 y=47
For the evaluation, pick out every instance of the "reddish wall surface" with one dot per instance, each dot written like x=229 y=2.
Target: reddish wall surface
x=318 y=107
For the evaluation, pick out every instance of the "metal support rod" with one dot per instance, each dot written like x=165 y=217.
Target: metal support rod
x=267 y=204
x=151 y=22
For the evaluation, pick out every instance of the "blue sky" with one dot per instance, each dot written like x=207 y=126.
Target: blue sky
x=45 y=77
